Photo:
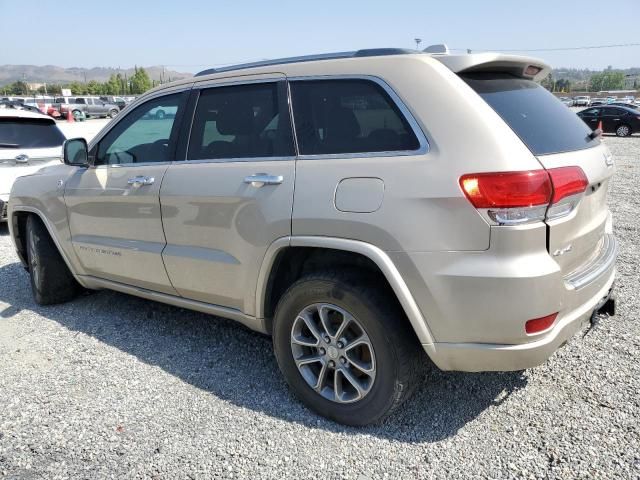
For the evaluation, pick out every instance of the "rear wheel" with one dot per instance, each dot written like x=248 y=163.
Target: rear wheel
x=77 y=115
x=51 y=280
x=623 y=130
x=345 y=348
x=159 y=114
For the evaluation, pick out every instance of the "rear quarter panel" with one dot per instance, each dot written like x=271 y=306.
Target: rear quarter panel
x=423 y=208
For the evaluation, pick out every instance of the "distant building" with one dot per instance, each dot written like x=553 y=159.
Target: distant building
x=35 y=86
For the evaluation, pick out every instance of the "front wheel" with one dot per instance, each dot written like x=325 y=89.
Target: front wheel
x=51 y=280
x=345 y=347
x=113 y=113
x=623 y=131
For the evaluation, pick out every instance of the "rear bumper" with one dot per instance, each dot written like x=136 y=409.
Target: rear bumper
x=478 y=357
x=476 y=304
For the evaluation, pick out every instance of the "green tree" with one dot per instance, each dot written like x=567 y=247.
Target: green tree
x=114 y=85
x=18 y=88
x=54 y=89
x=94 y=88
x=140 y=82
x=606 y=80
x=77 y=88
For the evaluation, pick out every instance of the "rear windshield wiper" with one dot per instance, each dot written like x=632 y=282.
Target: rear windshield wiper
x=9 y=145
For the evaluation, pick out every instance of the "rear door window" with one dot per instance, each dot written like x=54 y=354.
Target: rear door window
x=348 y=116
x=543 y=123
x=614 y=112
x=29 y=133
x=243 y=121
x=592 y=112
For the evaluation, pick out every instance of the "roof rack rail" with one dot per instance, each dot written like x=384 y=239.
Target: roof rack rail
x=368 y=52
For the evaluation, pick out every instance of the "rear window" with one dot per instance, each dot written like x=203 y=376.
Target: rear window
x=341 y=116
x=29 y=133
x=543 y=123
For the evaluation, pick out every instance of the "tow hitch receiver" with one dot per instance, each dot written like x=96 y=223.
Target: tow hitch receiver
x=606 y=306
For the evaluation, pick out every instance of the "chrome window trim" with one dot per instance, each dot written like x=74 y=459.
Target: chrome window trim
x=273 y=77
x=404 y=110
x=129 y=165
x=236 y=160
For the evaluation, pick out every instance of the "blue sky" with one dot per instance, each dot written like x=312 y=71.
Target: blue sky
x=192 y=34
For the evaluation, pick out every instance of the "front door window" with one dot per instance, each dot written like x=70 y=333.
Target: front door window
x=143 y=136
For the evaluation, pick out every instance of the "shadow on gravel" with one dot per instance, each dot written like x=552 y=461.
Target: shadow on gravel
x=4 y=229
x=237 y=365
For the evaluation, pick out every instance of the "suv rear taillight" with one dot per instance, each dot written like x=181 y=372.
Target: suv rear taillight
x=512 y=198
x=569 y=183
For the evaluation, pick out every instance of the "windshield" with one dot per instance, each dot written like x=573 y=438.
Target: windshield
x=543 y=123
x=29 y=133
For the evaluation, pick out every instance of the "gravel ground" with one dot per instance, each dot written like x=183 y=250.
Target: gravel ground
x=110 y=386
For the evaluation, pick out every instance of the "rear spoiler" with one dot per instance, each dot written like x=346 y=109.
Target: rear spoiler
x=520 y=66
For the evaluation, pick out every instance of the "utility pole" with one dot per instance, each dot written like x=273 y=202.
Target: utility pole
x=418 y=42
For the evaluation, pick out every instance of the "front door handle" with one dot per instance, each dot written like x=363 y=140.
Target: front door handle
x=141 y=180
x=260 y=179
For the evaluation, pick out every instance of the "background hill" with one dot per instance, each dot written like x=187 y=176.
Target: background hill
x=54 y=74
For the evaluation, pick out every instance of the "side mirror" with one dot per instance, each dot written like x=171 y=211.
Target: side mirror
x=76 y=152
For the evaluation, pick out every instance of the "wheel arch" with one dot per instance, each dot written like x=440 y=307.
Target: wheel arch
x=369 y=256
x=17 y=227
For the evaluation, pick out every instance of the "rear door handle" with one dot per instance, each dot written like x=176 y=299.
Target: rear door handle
x=141 y=180
x=261 y=179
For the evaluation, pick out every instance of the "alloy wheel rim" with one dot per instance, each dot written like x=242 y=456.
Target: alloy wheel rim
x=623 y=130
x=333 y=353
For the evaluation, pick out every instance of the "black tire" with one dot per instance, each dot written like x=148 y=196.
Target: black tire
x=113 y=113
x=398 y=355
x=623 y=130
x=51 y=280
x=160 y=115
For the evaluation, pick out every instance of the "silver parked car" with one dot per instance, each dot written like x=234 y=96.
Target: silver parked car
x=567 y=101
x=582 y=101
x=365 y=209
x=95 y=107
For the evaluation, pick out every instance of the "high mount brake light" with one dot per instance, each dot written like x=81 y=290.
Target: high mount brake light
x=513 y=198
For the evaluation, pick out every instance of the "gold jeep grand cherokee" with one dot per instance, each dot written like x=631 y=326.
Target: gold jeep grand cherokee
x=367 y=209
